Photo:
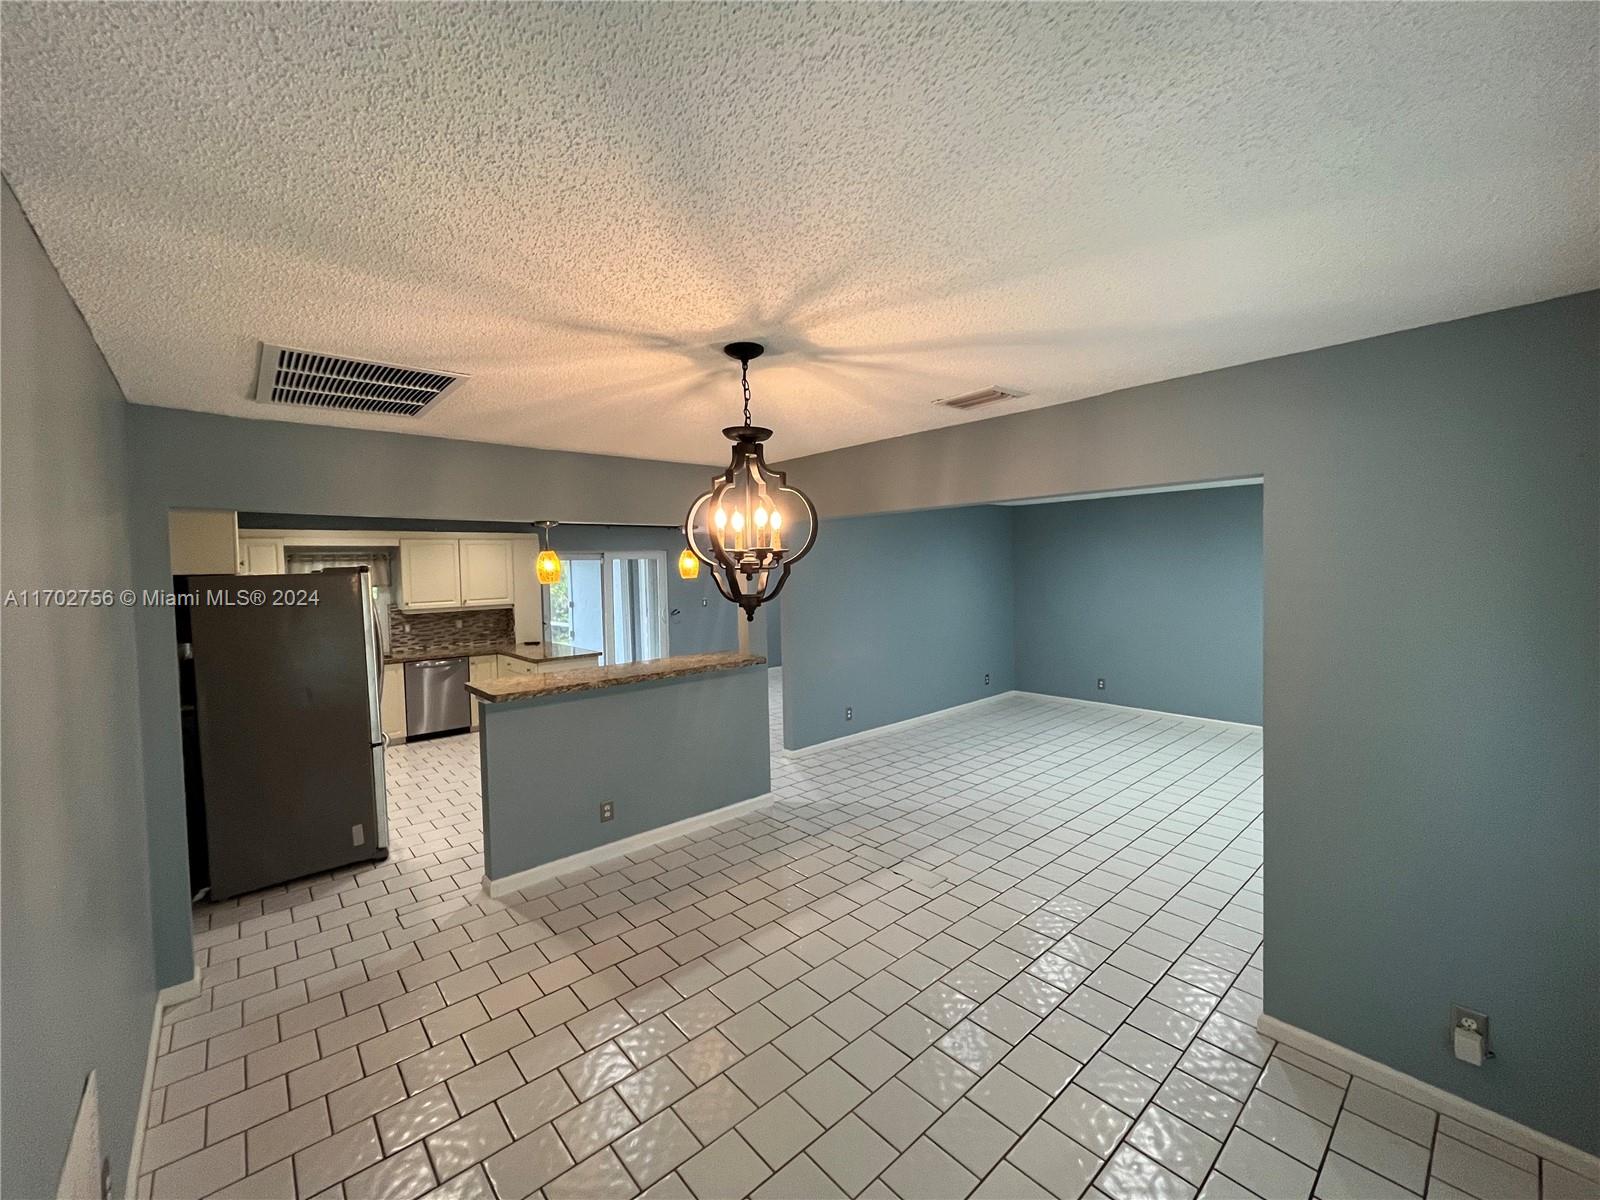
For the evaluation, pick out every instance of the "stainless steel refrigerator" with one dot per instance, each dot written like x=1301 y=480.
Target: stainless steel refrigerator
x=286 y=732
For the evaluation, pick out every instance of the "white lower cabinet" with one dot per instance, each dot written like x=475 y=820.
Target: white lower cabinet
x=393 y=709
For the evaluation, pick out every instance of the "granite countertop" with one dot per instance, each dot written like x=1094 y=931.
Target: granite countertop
x=586 y=679
x=534 y=652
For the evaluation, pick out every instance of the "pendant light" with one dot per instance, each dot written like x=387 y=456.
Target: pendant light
x=751 y=527
x=547 y=567
x=688 y=565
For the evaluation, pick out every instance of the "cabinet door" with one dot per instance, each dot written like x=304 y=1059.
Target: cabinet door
x=485 y=571
x=260 y=556
x=430 y=573
x=394 y=701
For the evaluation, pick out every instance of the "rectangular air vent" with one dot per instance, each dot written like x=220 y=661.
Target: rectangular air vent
x=328 y=381
x=977 y=399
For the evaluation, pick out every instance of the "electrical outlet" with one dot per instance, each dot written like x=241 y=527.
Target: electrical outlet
x=1101 y=684
x=986 y=680
x=849 y=713
x=607 y=811
x=704 y=602
x=1469 y=1035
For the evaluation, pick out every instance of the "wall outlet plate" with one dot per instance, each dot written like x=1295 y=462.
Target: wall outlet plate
x=986 y=680
x=1471 y=1022
x=849 y=713
x=608 y=810
x=1101 y=684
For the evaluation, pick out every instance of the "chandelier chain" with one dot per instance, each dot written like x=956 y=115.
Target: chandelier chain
x=744 y=380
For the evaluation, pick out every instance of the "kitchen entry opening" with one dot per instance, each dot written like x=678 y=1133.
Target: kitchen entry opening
x=613 y=602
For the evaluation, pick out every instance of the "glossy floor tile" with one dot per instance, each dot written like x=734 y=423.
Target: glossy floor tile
x=1010 y=952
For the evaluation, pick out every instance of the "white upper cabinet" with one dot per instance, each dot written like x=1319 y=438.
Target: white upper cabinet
x=486 y=572
x=260 y=556
x=430 y=573
x=203 y=542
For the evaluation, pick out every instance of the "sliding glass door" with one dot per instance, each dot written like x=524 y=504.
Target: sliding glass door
x=638 y=611
x=614 y=602
x=575 y=607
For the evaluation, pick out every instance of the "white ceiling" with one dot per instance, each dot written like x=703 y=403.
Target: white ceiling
x=578 y=205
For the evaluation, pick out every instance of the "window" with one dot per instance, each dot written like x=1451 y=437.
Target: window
x=615 y=603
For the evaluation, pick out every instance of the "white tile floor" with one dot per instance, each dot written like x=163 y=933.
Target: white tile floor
x=1012 y=952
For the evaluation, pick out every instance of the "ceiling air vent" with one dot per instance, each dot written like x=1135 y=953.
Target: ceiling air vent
x=977 y=399
x=349 y=384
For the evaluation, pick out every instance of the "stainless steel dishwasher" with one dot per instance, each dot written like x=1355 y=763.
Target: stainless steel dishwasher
x=436 y=697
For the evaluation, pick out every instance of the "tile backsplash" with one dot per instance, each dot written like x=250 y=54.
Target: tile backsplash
x=410 y=632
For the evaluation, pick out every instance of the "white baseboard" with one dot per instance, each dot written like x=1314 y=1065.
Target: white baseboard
x=1451 y=1105
x=1149 y=712
x=892 y=727
x=165 y=999
x=179 y=992
x=507 y=884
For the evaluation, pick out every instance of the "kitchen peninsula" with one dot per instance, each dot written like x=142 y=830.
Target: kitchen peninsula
x=669 y=742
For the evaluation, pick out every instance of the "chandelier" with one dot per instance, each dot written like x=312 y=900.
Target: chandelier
x=750 y=528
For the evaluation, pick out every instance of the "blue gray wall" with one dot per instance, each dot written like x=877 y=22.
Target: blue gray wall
x=1432 y=666
x=700 y=744
x=77 y=973
x=1159 y=595
x=895 y=617
x=773 y=612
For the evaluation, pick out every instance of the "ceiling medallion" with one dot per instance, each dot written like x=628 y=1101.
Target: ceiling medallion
x=747 y=527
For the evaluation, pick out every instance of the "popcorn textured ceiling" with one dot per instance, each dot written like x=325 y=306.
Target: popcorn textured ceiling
x=577 y=205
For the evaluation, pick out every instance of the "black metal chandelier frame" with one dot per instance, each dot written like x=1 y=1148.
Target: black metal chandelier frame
x=743 y=575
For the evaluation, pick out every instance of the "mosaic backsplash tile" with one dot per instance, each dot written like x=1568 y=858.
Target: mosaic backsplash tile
x=410 y=632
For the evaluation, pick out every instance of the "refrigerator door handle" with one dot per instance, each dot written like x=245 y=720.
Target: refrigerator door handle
x=380 y=740
x=374 y=664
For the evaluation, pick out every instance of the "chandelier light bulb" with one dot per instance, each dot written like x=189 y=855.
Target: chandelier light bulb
x=761 y=518
x=738 y=521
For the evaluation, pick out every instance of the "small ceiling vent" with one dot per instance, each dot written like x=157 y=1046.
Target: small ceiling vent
x=349 y=384
x=977 y=399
